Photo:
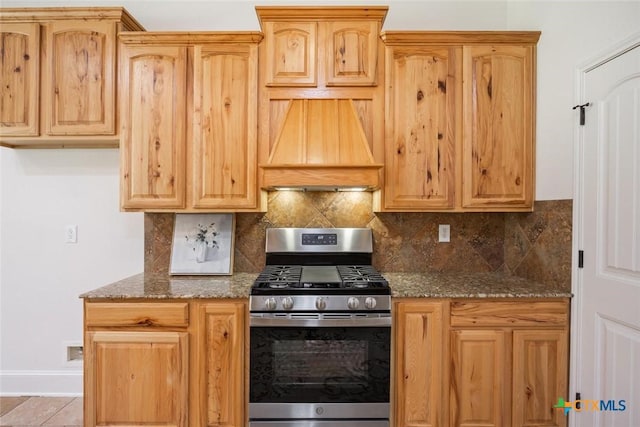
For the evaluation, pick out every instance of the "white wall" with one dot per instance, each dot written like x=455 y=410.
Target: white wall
x=41 y=276
x=42 y=190
x=572 y=32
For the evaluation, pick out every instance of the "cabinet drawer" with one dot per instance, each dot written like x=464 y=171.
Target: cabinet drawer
x=137 y=314
x=512 y=313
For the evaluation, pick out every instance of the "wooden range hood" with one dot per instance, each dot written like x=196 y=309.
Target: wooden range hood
x=321 y=146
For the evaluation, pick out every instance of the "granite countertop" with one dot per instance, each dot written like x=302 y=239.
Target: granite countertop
x=161 y=286
x=412 y=285
x=468 y=285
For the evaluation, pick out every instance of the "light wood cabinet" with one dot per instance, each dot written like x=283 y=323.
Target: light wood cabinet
x=311 y=55
x=136 y=364
x=20 y=72
x=153 y=85
x=59 y=76
x=509 y=363
x=340 y=52
x=460 y=110
x=419 y=372
x=174 y=363
x=479 y=378
x=471 y=362
x=498 y=151
x=225 y=112
x=423 y=123
x=291 y=53
x=218 y=377
x=137 y=378
x=189 y=121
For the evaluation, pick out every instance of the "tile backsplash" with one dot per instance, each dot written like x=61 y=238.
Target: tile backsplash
x=533 y=245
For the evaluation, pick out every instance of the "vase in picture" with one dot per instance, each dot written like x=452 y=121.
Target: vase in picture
x=201 y=251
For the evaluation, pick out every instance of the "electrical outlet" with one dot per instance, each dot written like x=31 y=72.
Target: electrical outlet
x=444 y=233
x=71 y=234
x=74 y=353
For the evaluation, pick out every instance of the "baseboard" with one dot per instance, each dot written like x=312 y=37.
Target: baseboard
x=41 y=383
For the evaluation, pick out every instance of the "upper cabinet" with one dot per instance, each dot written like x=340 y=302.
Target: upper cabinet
x=321 y=46
x=498 y=155
x=59 y=76
x=153 y=85
x=291 y=53
x=189 y=121
x=20 y=75
x=459 y=122
x=423 y=120
x=321 y=91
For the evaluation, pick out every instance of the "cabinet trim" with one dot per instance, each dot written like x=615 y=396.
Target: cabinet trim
x=440 y=38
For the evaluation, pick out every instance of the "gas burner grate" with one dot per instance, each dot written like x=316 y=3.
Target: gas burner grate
x=279 y=276
x=360 y=276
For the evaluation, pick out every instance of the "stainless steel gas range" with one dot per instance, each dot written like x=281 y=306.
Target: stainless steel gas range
x=320 y=332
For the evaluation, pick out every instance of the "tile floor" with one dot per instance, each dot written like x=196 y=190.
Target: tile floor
x=40 y=411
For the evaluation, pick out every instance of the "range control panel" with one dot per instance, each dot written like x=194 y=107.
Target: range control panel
x=319 y=239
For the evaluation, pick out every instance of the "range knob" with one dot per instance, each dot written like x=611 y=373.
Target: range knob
x=353 y=303
x=270 y=304
x=287 y=303
x=321 y=304
x=370 y=303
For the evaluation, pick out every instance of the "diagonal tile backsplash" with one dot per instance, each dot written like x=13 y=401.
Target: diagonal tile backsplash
x=534 y=245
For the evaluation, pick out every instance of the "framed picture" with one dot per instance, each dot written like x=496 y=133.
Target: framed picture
x=203 y=244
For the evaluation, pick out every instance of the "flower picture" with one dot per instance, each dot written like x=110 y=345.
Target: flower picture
x=203 y=237
x=202 y=244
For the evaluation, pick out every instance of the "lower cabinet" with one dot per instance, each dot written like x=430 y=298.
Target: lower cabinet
x=455 y=362
x=509 y=362
x=418 y=372
x=480 y=362
x=218 y=386
x=172 y=364
x=136 y=378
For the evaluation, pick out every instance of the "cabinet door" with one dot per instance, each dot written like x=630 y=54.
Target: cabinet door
x=225 y=127
x=481 y=371
x=220 y=371
x=540 y=360
x=352 y=53
x=422 y=118
x=153 y=117
x=79 y=79
x=418 y=365
x=19 y=71
x=290 y=53
x=498 y=154
x=136 y=378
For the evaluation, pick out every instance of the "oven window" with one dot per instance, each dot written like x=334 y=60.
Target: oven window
x=320 y=362
x=348 y=365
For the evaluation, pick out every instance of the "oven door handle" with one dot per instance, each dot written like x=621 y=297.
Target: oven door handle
x=355 y=322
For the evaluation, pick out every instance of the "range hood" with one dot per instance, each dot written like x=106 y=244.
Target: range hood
x=321 y=146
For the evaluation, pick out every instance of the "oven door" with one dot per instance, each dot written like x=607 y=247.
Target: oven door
x=320 y=366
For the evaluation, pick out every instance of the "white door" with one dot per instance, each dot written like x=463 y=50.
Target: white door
x=606 y=328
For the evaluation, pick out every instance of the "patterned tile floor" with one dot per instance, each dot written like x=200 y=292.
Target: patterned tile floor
x=40 y=411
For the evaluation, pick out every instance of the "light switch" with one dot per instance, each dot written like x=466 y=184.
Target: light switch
x=71 y=234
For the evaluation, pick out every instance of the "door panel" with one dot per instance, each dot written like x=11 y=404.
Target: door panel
x=79 y=85
x=136 y=378
x=19 y=84
x=479 y=389
x=224 y=137
x=498 y=92
x=539 y=377
x=153 y=115
x=608 y=287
